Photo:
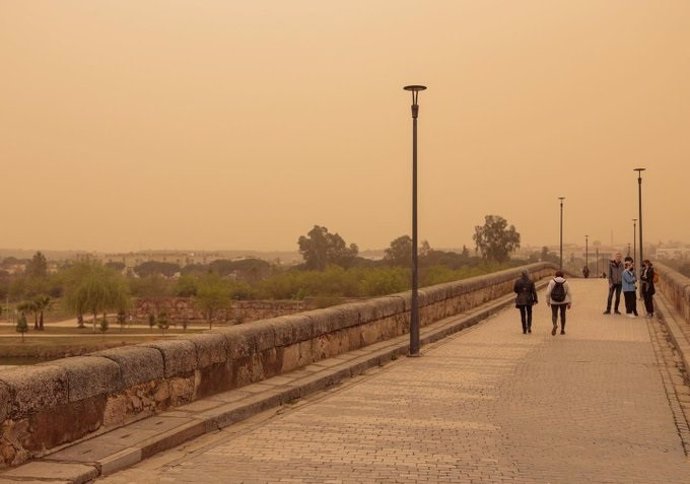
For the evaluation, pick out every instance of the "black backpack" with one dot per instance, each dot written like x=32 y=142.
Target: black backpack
x=558 y=292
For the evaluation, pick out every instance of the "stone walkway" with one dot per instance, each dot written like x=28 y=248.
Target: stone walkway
x=488 y=404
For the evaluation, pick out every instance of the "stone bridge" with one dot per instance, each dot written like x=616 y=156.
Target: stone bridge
x=608 y=402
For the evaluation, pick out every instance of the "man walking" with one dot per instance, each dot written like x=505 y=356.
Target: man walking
x=615 y=277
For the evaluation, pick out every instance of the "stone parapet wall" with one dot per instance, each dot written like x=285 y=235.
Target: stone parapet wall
x=45 y=406
x=676 y=288
x=180 y=309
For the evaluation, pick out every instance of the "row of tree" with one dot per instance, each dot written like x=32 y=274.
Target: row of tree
x=331 y=269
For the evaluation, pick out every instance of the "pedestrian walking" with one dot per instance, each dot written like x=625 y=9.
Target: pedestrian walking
x=629 y=280
x=615 y=277
x=559 y=298
x=647 y=288
x=525 y=299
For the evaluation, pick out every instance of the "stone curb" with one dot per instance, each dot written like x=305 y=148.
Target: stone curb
x=233 y=406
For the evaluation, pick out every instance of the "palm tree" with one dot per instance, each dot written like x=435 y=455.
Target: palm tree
x=42 y=304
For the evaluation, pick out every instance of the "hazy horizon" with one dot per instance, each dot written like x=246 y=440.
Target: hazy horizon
x=218 y=125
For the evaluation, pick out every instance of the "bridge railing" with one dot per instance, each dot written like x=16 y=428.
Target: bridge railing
x=676 y=288
x=46 y=406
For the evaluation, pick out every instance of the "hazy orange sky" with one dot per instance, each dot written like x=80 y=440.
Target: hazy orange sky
x=201 y=124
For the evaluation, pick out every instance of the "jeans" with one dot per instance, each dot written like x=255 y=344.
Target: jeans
x=648 y=302
x=617 y=288
x=554 y=314
x=526 y=316
x=630 y=302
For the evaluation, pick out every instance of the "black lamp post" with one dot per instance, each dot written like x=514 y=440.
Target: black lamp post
x=635 y=239
x=639 y=200
x=414 y=313
x=587 y=252
x=561 y=238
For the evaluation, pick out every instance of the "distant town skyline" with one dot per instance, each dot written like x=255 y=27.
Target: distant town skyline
x=213 y=125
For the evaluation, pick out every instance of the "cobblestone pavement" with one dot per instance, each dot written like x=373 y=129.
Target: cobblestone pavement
x=488 y=404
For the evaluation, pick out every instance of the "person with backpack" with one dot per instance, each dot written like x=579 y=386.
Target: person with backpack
x=629 y=286
x=648 y=277
x=525 y=299
x=559 y=298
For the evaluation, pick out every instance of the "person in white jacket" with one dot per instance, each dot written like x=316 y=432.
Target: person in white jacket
x=559 y=298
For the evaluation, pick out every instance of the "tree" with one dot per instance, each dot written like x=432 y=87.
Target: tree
x=38 y=266
x=22 y=327
x=42 y=304
x=400 y=252
x=212 y=294
x=320 y=248
x=155 y=268
x=29 y=307
x=495 y=240
x=93 y=288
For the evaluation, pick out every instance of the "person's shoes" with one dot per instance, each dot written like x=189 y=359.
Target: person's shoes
x=524 y=331
x=617 y=312
x=553 y=331
x=607 y=312
x=631 y=316
x=529 y=330
x=562 y=331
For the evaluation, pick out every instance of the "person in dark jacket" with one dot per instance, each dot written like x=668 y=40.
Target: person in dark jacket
x=525 y=299
x=647 y=289
x=615 y=277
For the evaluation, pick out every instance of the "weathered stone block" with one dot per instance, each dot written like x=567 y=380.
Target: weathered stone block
x=179 y=356
x=325 y=321
x=137 y=364
x=289 y=330
x=64 y=423
x=35 y=388
x=211 y=349
x=214 y=378
x=246 y=340
x=88 y=376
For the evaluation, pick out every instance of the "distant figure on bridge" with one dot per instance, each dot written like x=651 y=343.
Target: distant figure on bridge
x=648 y=278
x=629 y=287
x=585 y=272
x=615 y=276
x=559 y=298
x=525 y=299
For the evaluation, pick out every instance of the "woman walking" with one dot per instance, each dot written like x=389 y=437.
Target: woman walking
x=648 y=290
x=525 y=299
x=559 y=298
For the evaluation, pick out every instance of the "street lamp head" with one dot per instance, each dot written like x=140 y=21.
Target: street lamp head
x=414 y=88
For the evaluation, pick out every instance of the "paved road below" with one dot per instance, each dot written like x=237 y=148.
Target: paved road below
x=486 y=405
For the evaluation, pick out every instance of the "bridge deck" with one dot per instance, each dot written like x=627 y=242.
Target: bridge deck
x=489 y=404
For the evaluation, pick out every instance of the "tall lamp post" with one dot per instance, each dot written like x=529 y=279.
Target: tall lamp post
x=561 y=237
x=635 y=239
x=639 y=200
x=587 y=252
x=414 y=313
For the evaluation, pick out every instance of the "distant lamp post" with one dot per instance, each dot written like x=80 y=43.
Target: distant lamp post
x=639 y=205
x=414 y=313
x=561 y=237
x=635 y=239
x=597 y=250
x=587 y=255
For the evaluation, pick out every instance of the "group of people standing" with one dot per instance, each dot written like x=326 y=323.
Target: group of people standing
x=621 y=278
